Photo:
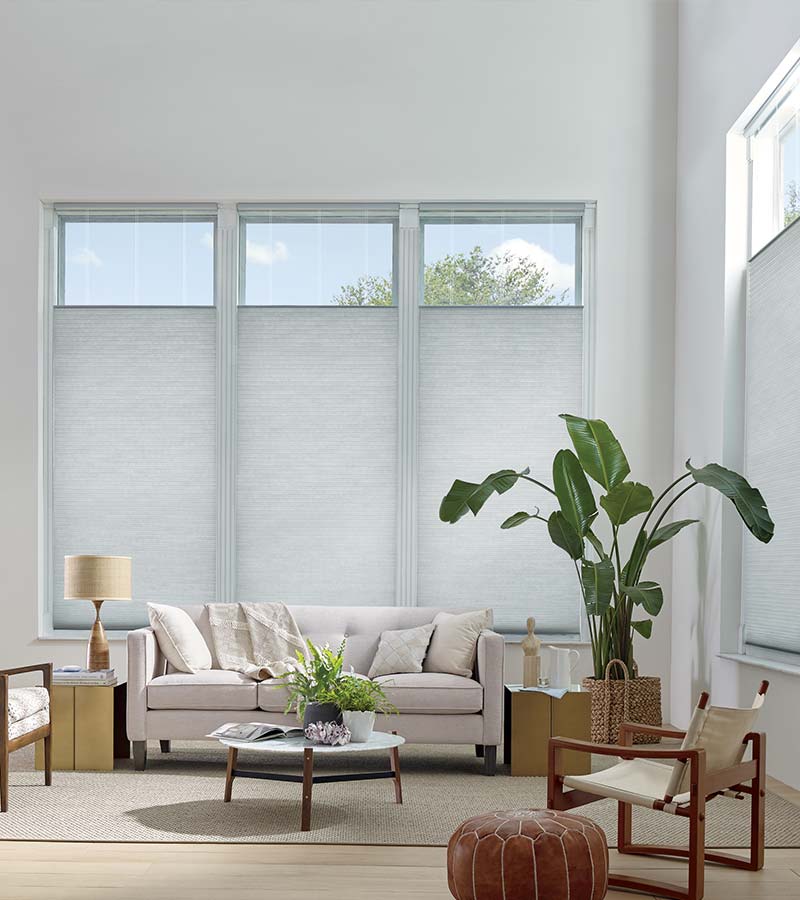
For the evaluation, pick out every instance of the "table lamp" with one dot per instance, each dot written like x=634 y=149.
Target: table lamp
x=97 y=578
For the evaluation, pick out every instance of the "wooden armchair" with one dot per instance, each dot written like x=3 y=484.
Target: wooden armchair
x=24 y=719
x=676 y=780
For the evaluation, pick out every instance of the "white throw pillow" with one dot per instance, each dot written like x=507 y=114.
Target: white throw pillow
x=454 y=642
x=179 y=638
x=401 y=651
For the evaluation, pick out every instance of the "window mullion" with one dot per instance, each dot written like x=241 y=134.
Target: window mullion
x=226 y=276
x=408 y=290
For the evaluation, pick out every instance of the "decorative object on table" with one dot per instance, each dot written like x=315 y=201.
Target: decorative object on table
x=378 y=741
x=24 y=719
x=677 y=780
x=532 y=657
x=401 y=652
x=359 y=700
x=74 y=676
x=89 y=728
x=312 y=686
x=529 y=853
x=179 y=639
x=613 y=591
x=628 y=700
x=97 y=578
x=327 y=733
x=563 y=662
x=454 y=643
x=533 y=716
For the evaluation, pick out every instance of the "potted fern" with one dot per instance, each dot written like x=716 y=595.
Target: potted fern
x=312 y=687
x=619 y=603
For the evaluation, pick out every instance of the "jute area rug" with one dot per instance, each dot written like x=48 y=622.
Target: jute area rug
x=179 y=798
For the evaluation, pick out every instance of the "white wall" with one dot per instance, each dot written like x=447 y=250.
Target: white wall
x=727 y=50
x=306 y=100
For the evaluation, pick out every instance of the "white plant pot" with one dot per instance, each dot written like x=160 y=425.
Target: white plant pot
x=360 y=725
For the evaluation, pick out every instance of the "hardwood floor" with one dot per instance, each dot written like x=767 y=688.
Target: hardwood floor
x=63 y=871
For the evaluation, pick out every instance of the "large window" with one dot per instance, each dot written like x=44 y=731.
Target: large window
x=773 y=138
x=268 y=403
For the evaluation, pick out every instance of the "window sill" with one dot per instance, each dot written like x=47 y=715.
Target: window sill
x=51 y=634
x=771 y=664
x=573 y=640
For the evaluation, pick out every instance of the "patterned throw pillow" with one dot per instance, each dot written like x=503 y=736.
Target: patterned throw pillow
x=401 y=651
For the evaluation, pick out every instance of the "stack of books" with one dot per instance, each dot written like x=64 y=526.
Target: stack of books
x=75 y=676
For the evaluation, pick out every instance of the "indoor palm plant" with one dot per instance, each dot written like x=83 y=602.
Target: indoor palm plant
x=618 y=602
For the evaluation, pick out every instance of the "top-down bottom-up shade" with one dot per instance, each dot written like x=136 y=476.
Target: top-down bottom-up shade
x=771 y=601
x=134 y=454
x=492 y=385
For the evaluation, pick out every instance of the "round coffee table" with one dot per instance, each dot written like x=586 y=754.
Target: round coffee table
x=378 y=741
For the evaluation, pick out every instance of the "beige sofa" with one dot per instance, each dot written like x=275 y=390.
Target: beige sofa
x=434 y=708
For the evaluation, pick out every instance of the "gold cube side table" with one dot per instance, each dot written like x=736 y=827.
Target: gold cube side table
x=88 y=728
x=533 y=717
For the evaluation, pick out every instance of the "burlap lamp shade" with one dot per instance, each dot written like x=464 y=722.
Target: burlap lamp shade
x=97 y=578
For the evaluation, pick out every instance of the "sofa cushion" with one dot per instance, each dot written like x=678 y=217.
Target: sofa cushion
x=24 y=702
x=210 y=689
x=435 y=693
x=179 y=639
x=272 y=695
x=454 y=642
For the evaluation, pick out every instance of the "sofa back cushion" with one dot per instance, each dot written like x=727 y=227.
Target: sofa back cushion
x=363 y=626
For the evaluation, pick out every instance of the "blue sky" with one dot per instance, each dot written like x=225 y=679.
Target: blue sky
x=288 y=263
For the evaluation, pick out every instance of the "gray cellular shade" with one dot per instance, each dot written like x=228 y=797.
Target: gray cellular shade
x=134 y=454
x=316 y=494
x=771 y=602
x=492 y=383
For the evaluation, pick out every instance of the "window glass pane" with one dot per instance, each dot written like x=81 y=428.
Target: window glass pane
x=790 y=171
x=318 y=263
x=138 y=263
x=499 y=263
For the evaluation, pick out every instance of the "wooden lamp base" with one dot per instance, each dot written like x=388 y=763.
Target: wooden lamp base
x=97 y=655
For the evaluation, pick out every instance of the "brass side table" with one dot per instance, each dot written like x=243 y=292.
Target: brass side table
x=532 y=717
x=89 y=729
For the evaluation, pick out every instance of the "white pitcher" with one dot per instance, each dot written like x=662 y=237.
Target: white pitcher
x=562 y=666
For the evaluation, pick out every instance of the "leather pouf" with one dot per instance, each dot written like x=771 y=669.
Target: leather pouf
x=527 y=854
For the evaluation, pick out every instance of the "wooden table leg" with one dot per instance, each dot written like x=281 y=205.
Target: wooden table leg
x=398 y=785
x=233 y=753
x=308 y=776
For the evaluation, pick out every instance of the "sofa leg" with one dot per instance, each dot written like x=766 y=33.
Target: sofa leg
x=139 y=755
x=165 y=746
x=489 y=759
x=479 y=751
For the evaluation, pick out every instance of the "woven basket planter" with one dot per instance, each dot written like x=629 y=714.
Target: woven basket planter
x=636 y=699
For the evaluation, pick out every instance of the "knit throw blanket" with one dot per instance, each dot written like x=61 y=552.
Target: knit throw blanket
x=259 y=640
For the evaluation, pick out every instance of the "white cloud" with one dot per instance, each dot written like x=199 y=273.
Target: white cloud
x=561 y=274
x=267 y=254
x=86 y=257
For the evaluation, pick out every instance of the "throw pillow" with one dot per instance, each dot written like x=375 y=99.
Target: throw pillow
x=454 y=642
x=401 y=651
x=179 y=638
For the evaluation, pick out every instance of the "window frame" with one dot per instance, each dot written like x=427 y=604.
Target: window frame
x=230 y=220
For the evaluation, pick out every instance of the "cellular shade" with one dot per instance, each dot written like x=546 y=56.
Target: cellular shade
x=134 y=454
x=492 y=383
x=771 y=604
x=316 y=493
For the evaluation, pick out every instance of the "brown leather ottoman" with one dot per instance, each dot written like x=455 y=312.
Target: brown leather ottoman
x=526 y=854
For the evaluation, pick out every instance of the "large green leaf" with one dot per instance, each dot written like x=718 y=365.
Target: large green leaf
x=634 y=565
x=748 y=500
x=466 y=496
x=647 y=594
x=627 y=500
x=575 y=497
x=563 y=535
x=595 y=541
x=600 y=453
x=643 y=626
x=598 y=583
x=666 y=532
x=519 y=517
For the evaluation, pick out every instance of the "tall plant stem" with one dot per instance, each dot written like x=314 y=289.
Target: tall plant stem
x=661 y=496
x=539 y=483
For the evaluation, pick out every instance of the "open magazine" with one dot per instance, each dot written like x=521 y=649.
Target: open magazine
x=251 y=732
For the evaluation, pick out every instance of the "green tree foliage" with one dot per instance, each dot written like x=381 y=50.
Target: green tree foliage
x=466 y=279
x=791 y=203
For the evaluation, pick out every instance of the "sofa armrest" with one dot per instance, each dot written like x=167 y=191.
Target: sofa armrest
x=490 y=663
x=145 y=663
